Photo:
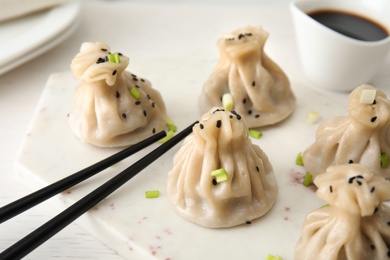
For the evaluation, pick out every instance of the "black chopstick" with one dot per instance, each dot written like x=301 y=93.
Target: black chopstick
x=56 y=224
x=14 y=208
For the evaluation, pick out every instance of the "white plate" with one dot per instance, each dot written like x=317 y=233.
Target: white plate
x=25 y=38
x=139 y=228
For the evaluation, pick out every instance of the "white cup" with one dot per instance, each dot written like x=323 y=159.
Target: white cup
x=332 y=60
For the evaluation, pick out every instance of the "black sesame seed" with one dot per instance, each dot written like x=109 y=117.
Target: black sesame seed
x=388 y=223
x=137 y=102
x=145 y=113
x=330 y=188
x=214 y=182
x=388 y=253
x=142 y=80
x=373 y=119
x=248 y=34
x=374 y=102
x=201 y=126
x=248 y=222
x=114 y=73
x=351 y=179
x=148 y=96
x=240 y=36
x=359 y=182
x=249 y=112
x=257 y=169
x=135 y=79
x=120 y=54
x=253 y=83
x=117 y=94
x=136 y=86
x=219 y=123
x=102 y=49
x=154 y=130
x=230 y=116
x=100 y=60
x=372 y=189
x=124 y=115
x=376 y=210
x=350 y=161
x=153 y=104
x=218 y=110
x=372 y=247
x=236 y=114
x=244 y=101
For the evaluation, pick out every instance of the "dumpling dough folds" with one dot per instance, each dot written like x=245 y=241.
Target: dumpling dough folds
x=361 y=137
x=221 y=140
x=355 y=225
x=104 y=112
x=260 y=89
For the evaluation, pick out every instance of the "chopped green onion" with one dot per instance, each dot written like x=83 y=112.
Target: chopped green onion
x=368 y=96
x=169 y=135
x=114 y=58
x=312 y=117
x=255 y=133
x=170 y=121
x=135 y=93
x=171 y=125
x=384 y=160
x=308 y=178
x=220 y=175
x=172 y=128
x=151 y=194
x=272 y=257
x=227 y=101
x=299 y=159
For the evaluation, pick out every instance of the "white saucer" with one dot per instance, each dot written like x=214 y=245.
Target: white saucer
x=25 y=38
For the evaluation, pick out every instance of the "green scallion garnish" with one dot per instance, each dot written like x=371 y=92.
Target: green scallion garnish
x=308 y=179
x=227 y=101
x=114 y=58
x=255 y=133
x=151 y=194
x=299 y=159
x=272 y=257
x=135 y=93
x=384 y=160
x=220 y=175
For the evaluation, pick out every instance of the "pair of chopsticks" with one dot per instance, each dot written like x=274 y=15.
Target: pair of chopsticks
x=56 y=224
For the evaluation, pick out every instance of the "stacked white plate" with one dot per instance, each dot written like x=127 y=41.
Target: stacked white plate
x=27 y=37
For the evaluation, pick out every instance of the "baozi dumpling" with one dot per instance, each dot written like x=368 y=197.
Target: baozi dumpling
x=355 y=224
x=220 y=143
x=112 y=107
x=361 y=137
x=260 y=89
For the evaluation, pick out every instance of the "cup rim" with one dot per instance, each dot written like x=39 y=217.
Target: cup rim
x=293 y=7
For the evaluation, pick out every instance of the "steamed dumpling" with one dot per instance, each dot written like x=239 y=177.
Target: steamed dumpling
x=260 y=89
x=355 y=225
x=112 y=107
x=361 y=137
x=220 y=141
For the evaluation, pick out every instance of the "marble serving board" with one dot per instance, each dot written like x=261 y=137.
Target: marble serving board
x=140 y=228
